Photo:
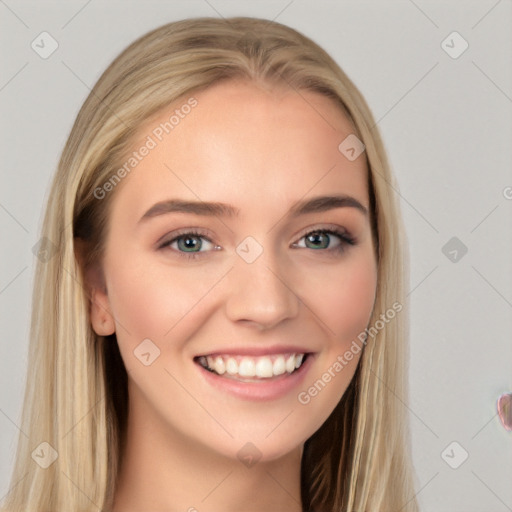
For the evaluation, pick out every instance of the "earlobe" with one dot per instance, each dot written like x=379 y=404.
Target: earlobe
x=101 y=318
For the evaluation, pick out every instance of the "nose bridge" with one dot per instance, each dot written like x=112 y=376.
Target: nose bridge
x=259 y=288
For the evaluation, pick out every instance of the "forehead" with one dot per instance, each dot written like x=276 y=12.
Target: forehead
x=246 y=144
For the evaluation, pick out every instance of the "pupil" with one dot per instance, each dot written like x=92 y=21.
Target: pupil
x=315 y=239
x=190 y=242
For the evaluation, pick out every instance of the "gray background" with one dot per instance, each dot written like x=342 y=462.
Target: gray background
x=446 y=126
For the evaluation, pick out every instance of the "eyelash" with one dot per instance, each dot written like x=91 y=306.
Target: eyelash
x=345 y=239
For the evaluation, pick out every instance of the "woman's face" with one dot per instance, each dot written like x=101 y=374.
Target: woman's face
x=256 y=282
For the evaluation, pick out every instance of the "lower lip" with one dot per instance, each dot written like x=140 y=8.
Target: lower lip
x=266 y=389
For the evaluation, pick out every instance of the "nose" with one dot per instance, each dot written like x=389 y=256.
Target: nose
x=260 y=293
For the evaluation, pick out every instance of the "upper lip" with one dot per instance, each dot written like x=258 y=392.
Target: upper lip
x=257 y=351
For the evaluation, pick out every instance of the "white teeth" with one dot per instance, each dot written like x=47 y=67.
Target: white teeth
x=290 y=364
x=247 y=367
x=232 y=366
x=219 y=366
x=279 y=366
x=264 y=367
x=260 y=367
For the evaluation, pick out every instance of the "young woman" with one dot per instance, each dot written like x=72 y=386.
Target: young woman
x=219 y=321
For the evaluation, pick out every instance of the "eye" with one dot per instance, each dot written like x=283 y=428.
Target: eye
x=188 y=244
x=322 y=238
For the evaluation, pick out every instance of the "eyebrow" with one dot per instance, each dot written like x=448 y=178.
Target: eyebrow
x=314 y=205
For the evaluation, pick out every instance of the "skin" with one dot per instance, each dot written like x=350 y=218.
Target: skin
x=260 y=150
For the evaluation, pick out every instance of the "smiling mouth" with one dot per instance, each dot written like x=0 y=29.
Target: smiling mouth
x=252 y=368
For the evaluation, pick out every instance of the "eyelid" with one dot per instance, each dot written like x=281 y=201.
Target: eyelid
x=169 y=237
x=325 y=227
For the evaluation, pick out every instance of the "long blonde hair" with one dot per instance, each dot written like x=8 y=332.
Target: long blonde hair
x=76 y=397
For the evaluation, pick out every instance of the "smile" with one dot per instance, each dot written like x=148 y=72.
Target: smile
x=252 y=368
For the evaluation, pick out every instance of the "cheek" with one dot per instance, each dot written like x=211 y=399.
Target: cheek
x=135 y=297
x=143 y=301
x=154 y=301
x=343 y=297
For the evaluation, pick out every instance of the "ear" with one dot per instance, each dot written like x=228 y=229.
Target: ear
x=102 y=320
